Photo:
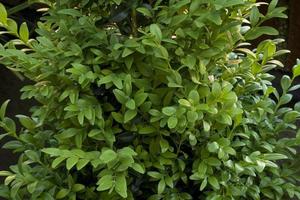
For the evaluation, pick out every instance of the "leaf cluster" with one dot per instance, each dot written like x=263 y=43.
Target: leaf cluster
x=153 y=100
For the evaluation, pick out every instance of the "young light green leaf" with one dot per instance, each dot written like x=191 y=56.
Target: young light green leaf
x=105 y=182
x=108 y=155
x=57 y=161
x=71 y=162
x=82 y=163
x=121 y=186
x=296 y=71
x=3 y=14
x=24 y=32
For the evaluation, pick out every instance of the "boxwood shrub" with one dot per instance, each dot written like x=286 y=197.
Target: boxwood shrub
x=157 y=100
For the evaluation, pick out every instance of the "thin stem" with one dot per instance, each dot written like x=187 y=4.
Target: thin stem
x=18 y=8
x=134 y=22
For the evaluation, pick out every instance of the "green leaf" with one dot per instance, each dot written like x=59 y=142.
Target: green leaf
x=82 y=163
x=118 y=2
x=138 y=167
x=224 y=118
x=285 y=99
x=189 y=61
x=108 y=155
x=213 y=181
x=78 y=187
x=194 y=96
x=10 y=125
x=161 y=52
x=254 y=15
x=69 y=11
x=184 y=102
x=215 y=17
x=203 y=184
x=5 y=173
x=140 y=98
x=32 y=155
x=194 y=6
x=24 y=32
x=172 y=122
x=120 y=96
x=169 y=111
x=164 y=145
x=62 y=193
x=3 y=108
x=192 y=116
x=52 y=151
x=155 y=175
x=285 y=82
x=272 y=5
x=147 y=129
x=202 y=169
x=213 y=147
x=12 y=26
x=213 y=162
x=274 y=156
x=145 y=11
x=105 y=182
x=161 y=186
x=3 y=14
x=129 y=115
x=176 y=20
x=155 y=30
x=71 y=162
x=296 y=70
x=32 y=187
x=117 y=116
x=121 y=186
x=206 y=126
x=256 y=32
x=130 y=104
x=27 y=122
x=127 y=52
x=57 y=161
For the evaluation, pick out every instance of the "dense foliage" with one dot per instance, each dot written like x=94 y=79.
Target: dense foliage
x=151 y=100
